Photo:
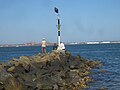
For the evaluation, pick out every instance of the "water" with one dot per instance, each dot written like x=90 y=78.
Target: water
x=8 y=53
x=108 y=54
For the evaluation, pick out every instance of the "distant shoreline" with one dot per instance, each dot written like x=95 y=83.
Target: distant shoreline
x=51 y=44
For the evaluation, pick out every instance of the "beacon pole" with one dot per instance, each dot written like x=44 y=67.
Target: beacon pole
x=58 y=18
x=58 y=32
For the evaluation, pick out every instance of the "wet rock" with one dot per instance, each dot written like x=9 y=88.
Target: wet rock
x=103 y=71
x=102 y=88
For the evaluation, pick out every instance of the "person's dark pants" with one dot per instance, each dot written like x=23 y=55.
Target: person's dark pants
x=43 y=49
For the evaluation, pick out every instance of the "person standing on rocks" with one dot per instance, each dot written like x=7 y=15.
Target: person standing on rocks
x=62 y=46
x=55 y=46
x=43 y=45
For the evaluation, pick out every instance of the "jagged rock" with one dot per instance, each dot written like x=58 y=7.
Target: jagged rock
x=11 y=69
x=1 y=68
x=13 y=62
x=37 y=59
x=12 y=84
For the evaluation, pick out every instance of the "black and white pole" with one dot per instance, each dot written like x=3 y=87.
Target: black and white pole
x=58 y=18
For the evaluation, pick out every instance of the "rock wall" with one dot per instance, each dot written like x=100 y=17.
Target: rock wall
x=53 y=71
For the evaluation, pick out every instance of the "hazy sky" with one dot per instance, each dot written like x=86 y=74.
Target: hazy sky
x=23 y=21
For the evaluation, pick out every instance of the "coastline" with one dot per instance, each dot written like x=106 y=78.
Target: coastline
x=51 y=44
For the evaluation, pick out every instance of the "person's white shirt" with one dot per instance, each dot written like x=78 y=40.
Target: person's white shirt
x=62 y=46
x=43 y=43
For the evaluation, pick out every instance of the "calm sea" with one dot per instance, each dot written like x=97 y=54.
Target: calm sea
x=108 y=54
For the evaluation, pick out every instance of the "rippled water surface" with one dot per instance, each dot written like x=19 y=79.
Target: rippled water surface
x=108 y=54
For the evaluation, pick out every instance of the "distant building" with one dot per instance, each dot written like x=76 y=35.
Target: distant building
x=105 y=42
x=92 y=42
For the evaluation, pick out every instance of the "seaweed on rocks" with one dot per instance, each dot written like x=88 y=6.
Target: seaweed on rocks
x=54 y=71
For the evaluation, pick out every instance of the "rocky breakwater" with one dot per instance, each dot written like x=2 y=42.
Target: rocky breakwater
x=53 y=71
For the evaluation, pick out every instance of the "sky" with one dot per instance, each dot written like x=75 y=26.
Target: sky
x=24 y=21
